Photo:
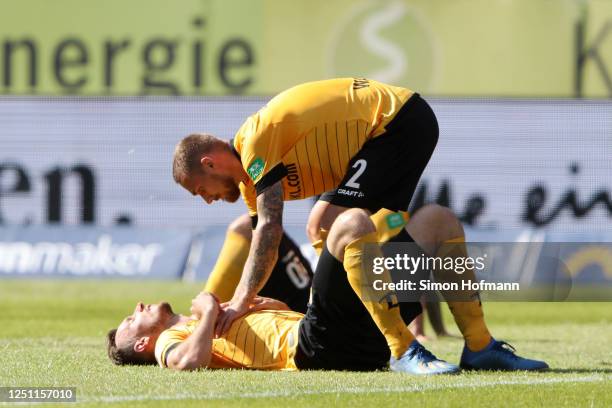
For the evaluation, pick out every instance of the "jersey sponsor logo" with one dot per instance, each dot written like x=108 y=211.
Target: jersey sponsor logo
x=256 y=168
x=293 y=181
x=395 y=220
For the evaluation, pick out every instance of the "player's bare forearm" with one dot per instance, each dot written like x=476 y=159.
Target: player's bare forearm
x=196 y=351
x=266 y=303
x=264 y=246
x=261 y=261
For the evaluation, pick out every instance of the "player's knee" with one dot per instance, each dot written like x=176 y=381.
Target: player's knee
x=313 y=226
x=349 y=226
x=354 y=223
x=439 y=212
x=322 y=216
x=443 y=219
x=242 y=226
x=448 y=218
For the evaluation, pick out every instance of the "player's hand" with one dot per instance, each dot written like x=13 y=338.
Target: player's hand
x=232 y=310
x=205 y=304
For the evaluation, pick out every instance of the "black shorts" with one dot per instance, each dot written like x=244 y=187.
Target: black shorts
x=337 y=332
x=291 y=277
x=387 y=169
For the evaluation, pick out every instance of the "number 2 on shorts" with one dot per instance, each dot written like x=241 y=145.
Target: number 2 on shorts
x=352 y=182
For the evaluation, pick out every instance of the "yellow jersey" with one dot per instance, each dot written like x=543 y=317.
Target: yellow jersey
x=306 y=135
x=263 y=340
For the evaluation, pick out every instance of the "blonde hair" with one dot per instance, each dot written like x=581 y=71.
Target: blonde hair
x=188 y=152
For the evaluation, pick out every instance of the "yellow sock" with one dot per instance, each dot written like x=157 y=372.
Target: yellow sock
x=226 y=274
x=319 y=243
x=389 y=223
x=465 y=306
x=386 y=316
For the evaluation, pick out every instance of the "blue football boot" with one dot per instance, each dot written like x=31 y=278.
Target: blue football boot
x=498 y=355
x=417 y=360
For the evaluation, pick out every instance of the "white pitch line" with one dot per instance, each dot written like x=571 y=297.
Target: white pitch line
x=350 y=390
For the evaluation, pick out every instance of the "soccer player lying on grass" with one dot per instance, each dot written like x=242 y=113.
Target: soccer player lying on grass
x=289 y=281
x=336 y=333
x=266 y=338
x=262 y=339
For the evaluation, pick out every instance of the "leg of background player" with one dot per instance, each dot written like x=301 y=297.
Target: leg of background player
x=226 y=274
x=322 y=216
x=438 y=231
x=434 y=314
x=431 y=307
x=417 y=327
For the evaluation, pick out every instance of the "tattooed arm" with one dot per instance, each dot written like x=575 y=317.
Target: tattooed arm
x=264 y=245
x=262 y=255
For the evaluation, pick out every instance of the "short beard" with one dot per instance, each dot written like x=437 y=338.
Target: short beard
x=232 y=191
x=233 y=195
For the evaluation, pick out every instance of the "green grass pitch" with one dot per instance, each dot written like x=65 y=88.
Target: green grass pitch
x=52 y=334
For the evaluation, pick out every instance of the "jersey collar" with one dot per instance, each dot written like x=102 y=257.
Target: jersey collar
x=231 y=142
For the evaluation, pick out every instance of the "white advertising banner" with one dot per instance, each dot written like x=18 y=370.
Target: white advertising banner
x=79 y=252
